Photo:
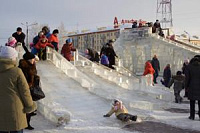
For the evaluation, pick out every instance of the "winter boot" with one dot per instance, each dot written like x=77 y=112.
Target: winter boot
x=29 y=127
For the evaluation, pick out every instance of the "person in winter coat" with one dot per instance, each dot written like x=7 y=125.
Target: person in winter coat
x=41 y=47
x=35 y=41
x=179 y=82
x=193 y=84
x=166 y=75
x=67 y=48
x=92 y=55
x=104 y=49
x=184 y=68
x=28 y=67
x=149 y=72
x=11 y=42
x=53 y=39
x=46 y=31
x=15 y=95
x=20 y=36
x=121 y=112
x=156 y=26
x=110 y=53
x=104 y=60
x=156 y=66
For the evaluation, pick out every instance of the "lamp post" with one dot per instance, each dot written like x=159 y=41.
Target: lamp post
x=188 y=35
x=27 y=25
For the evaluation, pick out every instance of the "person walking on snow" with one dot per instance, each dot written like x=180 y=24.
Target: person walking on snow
x=156 y=66
x=193 y=84
x=121 y=112
x=179 y=83
x=166 y=75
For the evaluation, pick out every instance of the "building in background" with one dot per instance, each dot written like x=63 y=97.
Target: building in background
x=93 y=39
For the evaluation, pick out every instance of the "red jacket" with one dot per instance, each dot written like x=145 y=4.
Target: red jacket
x=148 y=69
x=42 y=43
x=66 y=51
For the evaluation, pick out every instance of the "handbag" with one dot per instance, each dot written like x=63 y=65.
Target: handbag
x=36 y=90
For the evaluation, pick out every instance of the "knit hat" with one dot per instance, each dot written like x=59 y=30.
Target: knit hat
x=28 y=56
x=8 y=52
x=11 y=42
x=69 y=40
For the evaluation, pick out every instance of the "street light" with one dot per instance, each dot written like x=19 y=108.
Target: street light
x=188 y=35
x=27 y=25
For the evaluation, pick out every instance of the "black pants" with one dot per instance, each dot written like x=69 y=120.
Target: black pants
x=125 y=117
x=192 y=108
x=155 y=75
x=28 y=117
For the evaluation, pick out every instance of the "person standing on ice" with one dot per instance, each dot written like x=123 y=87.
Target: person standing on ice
x=148 y=72
x=28 y=67
x=184 y=69
x=166 y=75
x=20 y=36
x=46 y=31
x=67 y=49
x=179 y=83
x=193 y=84
x=15 y=95
x=110 y=53
x=156 y=66
x=53 y=39
x=121 y=112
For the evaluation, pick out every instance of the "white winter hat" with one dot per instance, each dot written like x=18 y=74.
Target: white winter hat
x=8 y=52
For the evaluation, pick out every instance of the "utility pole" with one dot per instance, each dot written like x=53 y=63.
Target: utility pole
x=27 y=25
x=164 y=13
x=188 y=35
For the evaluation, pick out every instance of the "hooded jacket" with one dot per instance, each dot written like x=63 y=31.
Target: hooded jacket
x=148 y=69
x=15 y=98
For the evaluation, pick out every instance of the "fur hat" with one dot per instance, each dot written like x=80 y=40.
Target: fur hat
x=8 y=52
x=28 y=56
x=11 y=42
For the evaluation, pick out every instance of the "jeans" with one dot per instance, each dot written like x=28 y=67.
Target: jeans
x=21 y=131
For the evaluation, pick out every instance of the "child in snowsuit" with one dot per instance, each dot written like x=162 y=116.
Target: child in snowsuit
x=179 y=81
x=120 y=112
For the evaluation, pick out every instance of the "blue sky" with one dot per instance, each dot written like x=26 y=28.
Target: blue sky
x=88 y=14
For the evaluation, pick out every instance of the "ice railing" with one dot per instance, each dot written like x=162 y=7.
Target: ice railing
x=188 y=46
x=68 y=68
x=120 y=76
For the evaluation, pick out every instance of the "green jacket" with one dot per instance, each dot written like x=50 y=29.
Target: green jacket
x=15 y=98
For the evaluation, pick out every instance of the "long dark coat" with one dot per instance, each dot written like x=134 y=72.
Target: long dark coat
x=193 y=79
x=110 y=53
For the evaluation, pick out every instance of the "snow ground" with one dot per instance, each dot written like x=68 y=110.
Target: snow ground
x=87 y=106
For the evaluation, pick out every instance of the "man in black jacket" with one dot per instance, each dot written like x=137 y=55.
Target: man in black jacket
x=156 y=66
x=20 y=36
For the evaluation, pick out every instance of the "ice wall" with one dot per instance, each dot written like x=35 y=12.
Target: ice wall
x=136 y=46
